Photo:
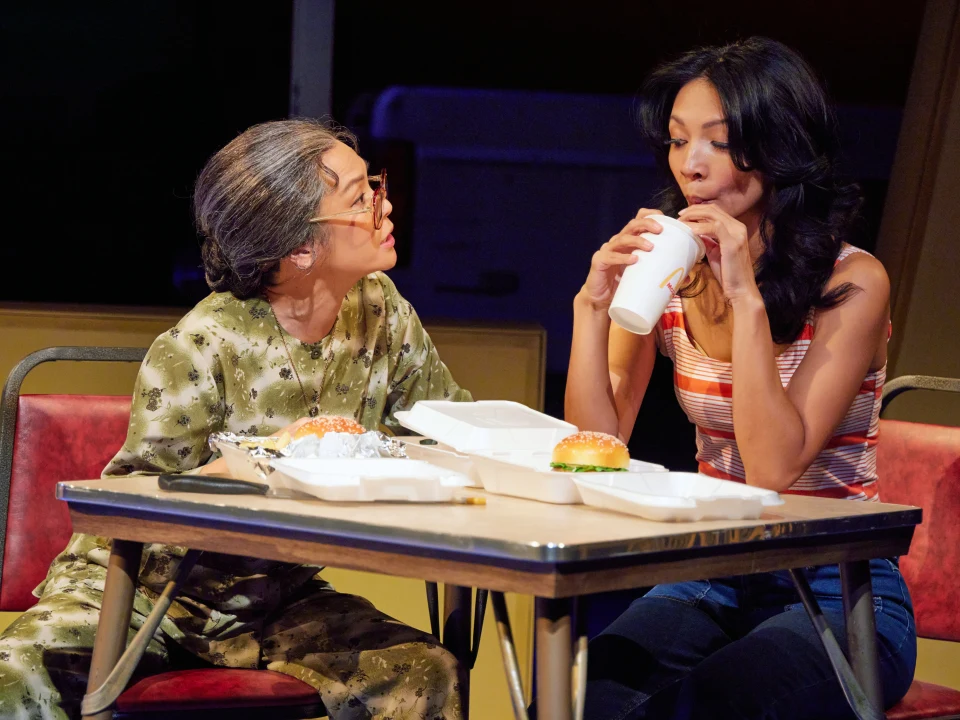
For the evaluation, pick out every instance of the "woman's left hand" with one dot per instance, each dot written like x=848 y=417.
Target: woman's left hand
x=728 y=248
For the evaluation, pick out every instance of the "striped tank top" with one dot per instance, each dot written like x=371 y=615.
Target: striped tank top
x=847 y=466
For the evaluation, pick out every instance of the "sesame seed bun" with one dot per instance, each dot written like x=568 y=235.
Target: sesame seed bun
x=589 y=450
x=328 y=423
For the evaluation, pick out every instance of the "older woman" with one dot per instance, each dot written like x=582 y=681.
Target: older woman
x=302 y=322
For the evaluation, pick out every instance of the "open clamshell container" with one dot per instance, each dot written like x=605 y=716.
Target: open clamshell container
x=532 y=477
x=251 y=458
x=441 y=455
x=368 y=479
x=340 y=467
x=486 y=426
x=676 y=496
x=508 y=445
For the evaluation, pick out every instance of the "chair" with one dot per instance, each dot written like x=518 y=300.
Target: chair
x=48 y=438
x=919 y=464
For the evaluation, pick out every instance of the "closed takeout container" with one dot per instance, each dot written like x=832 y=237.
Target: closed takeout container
x=531 y=477
x=678 y=497
x=368 y=479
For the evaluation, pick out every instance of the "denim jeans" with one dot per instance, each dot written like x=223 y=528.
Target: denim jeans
x=742 y=648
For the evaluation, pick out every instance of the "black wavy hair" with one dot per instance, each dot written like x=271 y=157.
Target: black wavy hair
x=781 y=124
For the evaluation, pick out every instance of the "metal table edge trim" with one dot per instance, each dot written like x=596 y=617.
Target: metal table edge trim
x=540 y=554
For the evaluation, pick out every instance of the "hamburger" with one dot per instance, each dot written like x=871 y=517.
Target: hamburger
x=590 y=452
x=320 y=426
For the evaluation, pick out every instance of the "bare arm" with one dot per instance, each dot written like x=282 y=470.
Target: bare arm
x=780 y=431
x=609 y=367
x=609 y=372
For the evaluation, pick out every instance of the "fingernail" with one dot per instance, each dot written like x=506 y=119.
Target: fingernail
x=682 y=211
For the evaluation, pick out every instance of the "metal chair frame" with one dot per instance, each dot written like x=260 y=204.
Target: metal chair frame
x=10 y=400
x=900 y=385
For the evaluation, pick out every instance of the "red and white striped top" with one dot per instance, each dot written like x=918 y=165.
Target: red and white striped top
x=846 y=468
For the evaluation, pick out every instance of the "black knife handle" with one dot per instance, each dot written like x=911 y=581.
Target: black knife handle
x=211 y=484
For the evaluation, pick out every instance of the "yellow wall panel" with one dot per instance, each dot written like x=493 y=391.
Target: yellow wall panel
x=939 y=662
x=493 y=362
x=6 y=618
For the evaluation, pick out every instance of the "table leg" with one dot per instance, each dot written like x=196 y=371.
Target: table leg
x=856 y=697
x=508 y=653
x=457 y=624
x=433 y=608
x=580 y=661
x=861 y=628
x=554 y=646
x=114 y=624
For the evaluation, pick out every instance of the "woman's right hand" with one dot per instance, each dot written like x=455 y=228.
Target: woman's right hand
x=614 y=255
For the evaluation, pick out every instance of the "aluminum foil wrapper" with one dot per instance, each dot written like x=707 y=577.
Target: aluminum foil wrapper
x=371 y=444
x=258 y=452
x=256 y=447
x=261 y=450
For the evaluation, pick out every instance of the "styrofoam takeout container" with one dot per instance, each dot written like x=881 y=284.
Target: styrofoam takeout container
x=442 y=456
x=486 y=426
x=368 y=479
x=531 y=477
x=508 y=445
x=244 y=464
x=677 y=496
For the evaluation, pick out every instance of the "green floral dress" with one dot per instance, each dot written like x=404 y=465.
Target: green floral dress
x=228 y=365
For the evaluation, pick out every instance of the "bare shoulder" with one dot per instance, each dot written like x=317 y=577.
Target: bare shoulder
x=864 y=271
x=868 y=305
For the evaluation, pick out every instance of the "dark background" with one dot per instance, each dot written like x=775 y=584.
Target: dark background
x=110 y=110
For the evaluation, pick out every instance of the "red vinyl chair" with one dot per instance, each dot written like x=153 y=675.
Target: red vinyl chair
x=919 y=464
x=48 y=438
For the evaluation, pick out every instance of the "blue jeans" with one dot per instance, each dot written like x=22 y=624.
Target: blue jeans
x=742 y=648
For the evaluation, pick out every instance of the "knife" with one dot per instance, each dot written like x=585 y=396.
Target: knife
x=211 y=484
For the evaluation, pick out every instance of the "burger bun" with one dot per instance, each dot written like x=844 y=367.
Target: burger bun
x=320 y=426
x=590 y=451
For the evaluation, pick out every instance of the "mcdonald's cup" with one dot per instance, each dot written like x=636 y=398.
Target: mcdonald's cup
x=646 y=286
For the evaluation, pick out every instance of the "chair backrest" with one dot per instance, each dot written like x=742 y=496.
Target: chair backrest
x=919 y=464
x=45 y=439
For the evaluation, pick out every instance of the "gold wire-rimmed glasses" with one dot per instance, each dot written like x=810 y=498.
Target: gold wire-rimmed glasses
x=379 y=195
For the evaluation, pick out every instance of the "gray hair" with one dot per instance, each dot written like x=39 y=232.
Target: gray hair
x=254 y=197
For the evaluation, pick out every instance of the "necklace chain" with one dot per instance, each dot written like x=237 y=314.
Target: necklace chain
x=312 y=410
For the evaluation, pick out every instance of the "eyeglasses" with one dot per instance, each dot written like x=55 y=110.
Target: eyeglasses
x=379 y=195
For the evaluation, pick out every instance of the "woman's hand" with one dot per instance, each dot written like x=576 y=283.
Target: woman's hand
x=728 y=248
x=218 y=468
x=614 y=255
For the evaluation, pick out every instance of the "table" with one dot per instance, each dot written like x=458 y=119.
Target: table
x=553 y=552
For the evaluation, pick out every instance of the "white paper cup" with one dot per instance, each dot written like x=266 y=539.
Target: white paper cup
x=647 y=286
